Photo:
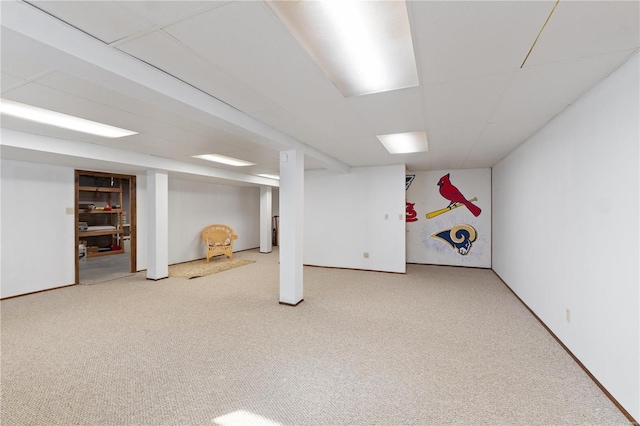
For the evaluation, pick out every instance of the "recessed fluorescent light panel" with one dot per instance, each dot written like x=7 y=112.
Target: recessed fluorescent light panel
x=52 y=118
x=405 y=143
x=230 y=161
x=265 y=175
x=362 y=46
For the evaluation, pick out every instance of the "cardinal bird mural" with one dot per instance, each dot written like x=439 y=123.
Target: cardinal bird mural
x=455 y=197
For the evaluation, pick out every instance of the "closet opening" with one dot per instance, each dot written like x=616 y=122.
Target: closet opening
x=105 y=218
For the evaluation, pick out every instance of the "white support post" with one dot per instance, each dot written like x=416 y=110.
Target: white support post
x=158 y=228
x=265 y=219
x=291 y=224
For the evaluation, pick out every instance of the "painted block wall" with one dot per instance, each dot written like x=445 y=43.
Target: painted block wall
x=33 y=210
x=566 y=213
x=36 y=234
x=194 y=205
x=455 y=237
x=344 y=217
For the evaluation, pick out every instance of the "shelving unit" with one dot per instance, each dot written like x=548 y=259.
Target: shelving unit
x=97 y=192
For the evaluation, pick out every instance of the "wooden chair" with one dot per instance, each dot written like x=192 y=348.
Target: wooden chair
x=218 y=239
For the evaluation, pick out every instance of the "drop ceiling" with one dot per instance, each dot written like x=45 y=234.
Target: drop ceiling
x=227 y=77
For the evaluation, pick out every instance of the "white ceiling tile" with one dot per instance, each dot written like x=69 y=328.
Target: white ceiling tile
x=247 y=41
x=269 y=153
x=442 y=162
x=44 y=97
x=33 y=127
x=258 y=157
x=154 y=114
x=457 y=40
x=509 y=134
x=483 y=160
x=579 y=29
x=499 y=139
x=105 y=20
x=354 y=146
x=162 y=132
x=415 y=161
x=394 y=111
x=17 y=64
x=360 y=151
x=240 y=53
x=335 y=119
x=370 y=160
x=464 y=102
x=160 y=12
x=449 y=146
x=9 y=82
x=289 y=124
x=453 y=139
x=166 y=53
x=310 y=163
x=548 y=89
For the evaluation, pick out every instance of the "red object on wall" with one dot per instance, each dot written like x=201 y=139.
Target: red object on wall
x=412 y=215
x=451 y=193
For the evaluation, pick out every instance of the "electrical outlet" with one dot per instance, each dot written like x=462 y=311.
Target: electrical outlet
x=365 y=254
x=70 y=210
x=400 y=216
x=386 y=216
x=568 y=315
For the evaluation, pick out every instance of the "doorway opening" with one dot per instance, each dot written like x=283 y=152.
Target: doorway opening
x=105 y=216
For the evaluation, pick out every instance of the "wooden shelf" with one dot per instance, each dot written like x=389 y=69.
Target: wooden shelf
x=105 y=253
x=94 y=211
x=89 y=193
x=100 y=232
x=99 y=189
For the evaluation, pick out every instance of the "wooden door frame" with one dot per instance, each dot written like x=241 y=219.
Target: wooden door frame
x=133 y=218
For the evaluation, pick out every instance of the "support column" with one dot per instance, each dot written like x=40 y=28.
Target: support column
x=158 y=228
x=265 y=219
x=291 y=224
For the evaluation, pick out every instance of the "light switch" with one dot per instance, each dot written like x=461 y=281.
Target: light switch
x=70 y=210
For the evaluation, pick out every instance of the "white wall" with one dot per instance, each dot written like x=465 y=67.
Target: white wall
x=37 y=235
x=344 y=216
x=566 y=214
x=194 y=205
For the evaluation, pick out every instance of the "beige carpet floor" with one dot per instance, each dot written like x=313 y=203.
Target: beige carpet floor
x=437 y=346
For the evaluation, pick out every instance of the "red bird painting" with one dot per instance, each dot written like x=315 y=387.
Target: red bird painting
x=451 y=193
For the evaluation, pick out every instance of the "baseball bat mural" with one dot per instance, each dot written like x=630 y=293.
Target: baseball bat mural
x=447 y=209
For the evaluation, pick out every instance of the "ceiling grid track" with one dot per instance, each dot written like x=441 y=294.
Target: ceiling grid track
x=33 y=79
x=540 y=33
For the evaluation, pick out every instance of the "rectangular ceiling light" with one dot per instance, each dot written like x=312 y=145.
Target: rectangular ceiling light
x=52 y=118
x=265 y=175
x=405 y=143
x=230 y=161
x=362 y=46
